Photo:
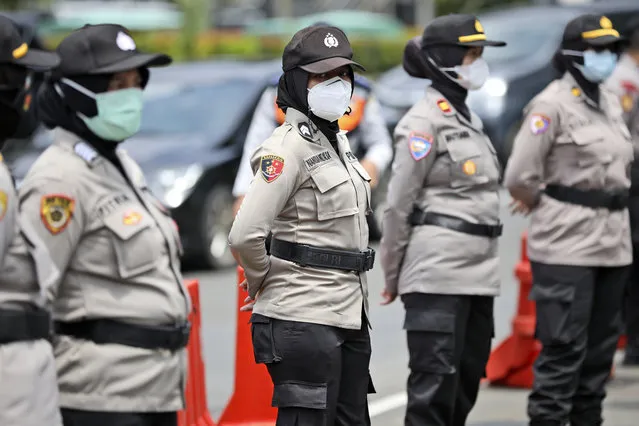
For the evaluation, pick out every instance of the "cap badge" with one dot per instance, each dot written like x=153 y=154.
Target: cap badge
x=124 y=41
x=605 y=23
x=478 y=26
x=330 y=41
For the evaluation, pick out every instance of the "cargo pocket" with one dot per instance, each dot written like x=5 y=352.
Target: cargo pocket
x=300 y=403
x=467 y=166
x=556 y=315
x=135 y=247
x=264 y=349
x=431 y=340
x=334 y=193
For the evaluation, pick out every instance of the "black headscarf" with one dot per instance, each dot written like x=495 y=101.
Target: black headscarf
x=566 y=63
x=416 y=64
x=292 y=91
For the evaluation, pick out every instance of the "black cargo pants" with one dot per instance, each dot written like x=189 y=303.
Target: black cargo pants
x=449 y=338
x=320 y=374
x=578 y=325
x=72 y=417
x=631 y=302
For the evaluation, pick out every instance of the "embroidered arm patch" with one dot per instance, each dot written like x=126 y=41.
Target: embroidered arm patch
x=420 y=145
x=271 y=167
x=56 y=211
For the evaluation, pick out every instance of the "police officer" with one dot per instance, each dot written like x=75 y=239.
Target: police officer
x=29 y=389
x=439 y=248
x=624 y=82
x=120 y=307
x=570 y=168
x=367 y=132
x=311 y=295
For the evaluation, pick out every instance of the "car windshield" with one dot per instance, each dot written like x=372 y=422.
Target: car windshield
x=524 y=37
x=211 y=109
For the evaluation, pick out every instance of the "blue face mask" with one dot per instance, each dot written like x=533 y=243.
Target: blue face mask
x=597 y=66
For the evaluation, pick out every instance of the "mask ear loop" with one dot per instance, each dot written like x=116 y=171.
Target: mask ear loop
x=78 y=88
x=445 y=71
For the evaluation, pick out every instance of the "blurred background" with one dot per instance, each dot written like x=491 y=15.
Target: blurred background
x=198 y=111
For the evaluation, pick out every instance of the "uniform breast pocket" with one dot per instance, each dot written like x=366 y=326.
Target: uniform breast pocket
x=334 y=193
x=590 y=145
x=134 y=241
x=467 y=166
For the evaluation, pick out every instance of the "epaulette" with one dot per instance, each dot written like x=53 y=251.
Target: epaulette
x=363 y=82
x=85 y=151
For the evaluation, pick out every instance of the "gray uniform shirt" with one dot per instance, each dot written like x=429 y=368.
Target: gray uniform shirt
x=568 y=140
x=304 y=192
x=443 y=164
x=118 y=253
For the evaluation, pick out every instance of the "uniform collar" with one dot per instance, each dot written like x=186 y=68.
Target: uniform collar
x=569 y=84
x=305 y=127
x=73 y=143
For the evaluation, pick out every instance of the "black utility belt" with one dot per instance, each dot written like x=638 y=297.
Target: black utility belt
x=419 y=218
x=107 y=331
x=19 y=326
x=320 y=257
x=593 y=198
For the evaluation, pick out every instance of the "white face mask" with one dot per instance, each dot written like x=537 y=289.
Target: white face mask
x=471 y=76
x=330 y=99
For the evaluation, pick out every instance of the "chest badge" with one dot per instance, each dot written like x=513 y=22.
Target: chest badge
x=419 y=145
x=271 y=167
x=469 y=167
x=131 y=218
x=56 y=212
x=3 y=204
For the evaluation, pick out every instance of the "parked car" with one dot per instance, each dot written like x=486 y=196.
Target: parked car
x=194 y=123
x=518 y=71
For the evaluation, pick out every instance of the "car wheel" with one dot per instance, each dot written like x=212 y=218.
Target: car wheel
x=217 y=219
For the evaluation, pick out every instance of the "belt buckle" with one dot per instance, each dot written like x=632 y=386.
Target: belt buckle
x=184 y=333
x=497 y=230
x=369 y=259
x=618 y=201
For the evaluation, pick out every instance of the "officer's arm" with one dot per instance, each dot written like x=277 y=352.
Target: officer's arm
x=375 y=136
x=264 y=200
x=525 y=171
x=262 y=126
x=415 y=151
x=52 y=218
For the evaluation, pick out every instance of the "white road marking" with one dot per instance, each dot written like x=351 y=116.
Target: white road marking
x=386 y=404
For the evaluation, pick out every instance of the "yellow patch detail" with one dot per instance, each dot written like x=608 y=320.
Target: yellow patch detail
x=56 y=212
x=4 y=199
x=469 y=167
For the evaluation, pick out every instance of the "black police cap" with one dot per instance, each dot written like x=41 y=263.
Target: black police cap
x=103 y=49
x=14 y=50
x=318 y=49
x=457 y=30
x=592 y=29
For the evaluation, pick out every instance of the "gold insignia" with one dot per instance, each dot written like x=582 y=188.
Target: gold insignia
x=605 y=23
x=469 y=167
x=575 y=91
x=4 y=198
x=56 y=212
x=478 y=26
x=20 y=51
x=1 y=158
x=131 y=218
x=626 y=103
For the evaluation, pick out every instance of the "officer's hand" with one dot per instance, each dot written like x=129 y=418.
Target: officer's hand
x=371 y=169
x=519 y=207
x=249 y=301
x=388 y=298
x=237 y=204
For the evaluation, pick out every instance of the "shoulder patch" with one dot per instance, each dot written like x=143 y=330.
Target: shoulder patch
x=4 y=200
x=419 y=145
x=314 y=161
x=271 y=167
x=56 y=211
x=539 y=124
x=444 y=106
x=85 y=151
x=307 y=131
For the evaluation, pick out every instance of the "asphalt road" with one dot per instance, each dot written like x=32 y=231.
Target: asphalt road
x=389 y=360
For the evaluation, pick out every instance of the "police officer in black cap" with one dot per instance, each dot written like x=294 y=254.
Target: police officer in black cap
x=28 y=389
x=310 y=295
x=120 y=307
x=570 y=167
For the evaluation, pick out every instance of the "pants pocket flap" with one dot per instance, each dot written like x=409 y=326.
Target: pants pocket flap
x=300 y=394
x=421 y=320
x=259 y=319
x=552 y=293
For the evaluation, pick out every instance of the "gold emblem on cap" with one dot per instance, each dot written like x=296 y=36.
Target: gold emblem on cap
x=605 y=23
x=20 y=51
x=575 y=91
x=478 y=26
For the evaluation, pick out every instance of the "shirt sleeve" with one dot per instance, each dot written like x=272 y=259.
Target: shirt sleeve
x=52 y=218
x=525 y=172
x=262 y=126
x=277 y=178
x=375 y=136
x=415 y=152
